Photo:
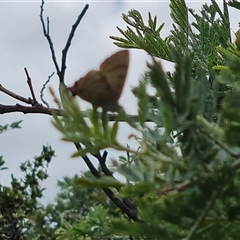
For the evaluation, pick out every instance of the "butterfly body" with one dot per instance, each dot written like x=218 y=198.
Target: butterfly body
x=103 y=87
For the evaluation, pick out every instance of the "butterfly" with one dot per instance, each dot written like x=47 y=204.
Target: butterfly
x=103 y=87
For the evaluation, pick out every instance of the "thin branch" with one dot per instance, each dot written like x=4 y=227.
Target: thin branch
x=236 y=164
x=102 y=161
x=16 y=96
x=48 y=25
x=131 y=212
x=31 y=87
x=44 y=86
x=68 y=43
x=46 y=34
x=107 y=172
x=203 y=214
x=227 y=149
x=44 y=110
x=65 y=50
x=220 y=143
x=228 y=174
x=25 y=109
x=177 y=187
x=91 y=167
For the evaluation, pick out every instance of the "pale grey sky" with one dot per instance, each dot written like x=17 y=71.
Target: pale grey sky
x=22 y=44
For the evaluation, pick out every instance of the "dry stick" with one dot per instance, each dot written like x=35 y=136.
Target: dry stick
x=46 y=34
x=220 y=143
x=16 y=96
x=31 y=87
x=178 y=187
x=107 y=172
x=43 y=88
x=208 y=205
x=132 y=213
x=45 y=110
x=102 y=162
x=35 y=108
x=68 y=43
x=25 y=109
x=70 y=37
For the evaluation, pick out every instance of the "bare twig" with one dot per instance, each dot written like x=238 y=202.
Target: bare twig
x=44 y=86
x=46 y=34
x=16 y=96
x=130 y=212
x=236 y=164
x=222 y=145
x=203 y=214
x=177 y=187
x=91 y=167
x=45 y=110
x=61 y=72
x=102 y=162
x=107 y=172
x=70 y=37
x=31 y=87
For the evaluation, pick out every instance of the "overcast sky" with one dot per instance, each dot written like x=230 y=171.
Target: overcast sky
x=22 y=44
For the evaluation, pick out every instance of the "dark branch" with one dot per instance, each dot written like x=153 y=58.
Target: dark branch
x=24 y=109
x=125 y=208
x=46 y=110
x=131 y=212
x=44 y=86
x=29 y=82
x=107 y=172
x=220 y=144
x=46 y=34
x=16 y=96
x=70 y=37
x=91 y=167
x=178 y=187
x=102 y=161
x=66 y=48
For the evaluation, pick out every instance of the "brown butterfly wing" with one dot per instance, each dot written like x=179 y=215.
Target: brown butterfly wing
x=104 y=87
x=114 y=69
x=93 y=88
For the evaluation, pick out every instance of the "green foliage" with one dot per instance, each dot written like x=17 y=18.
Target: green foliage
x=230 y=106
x=6 y=127
x=184 y=176
x=234 y=3
x=72 y=205
x=19 y=202
x=95 y=223
x=208 y=30
x=2 y=162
